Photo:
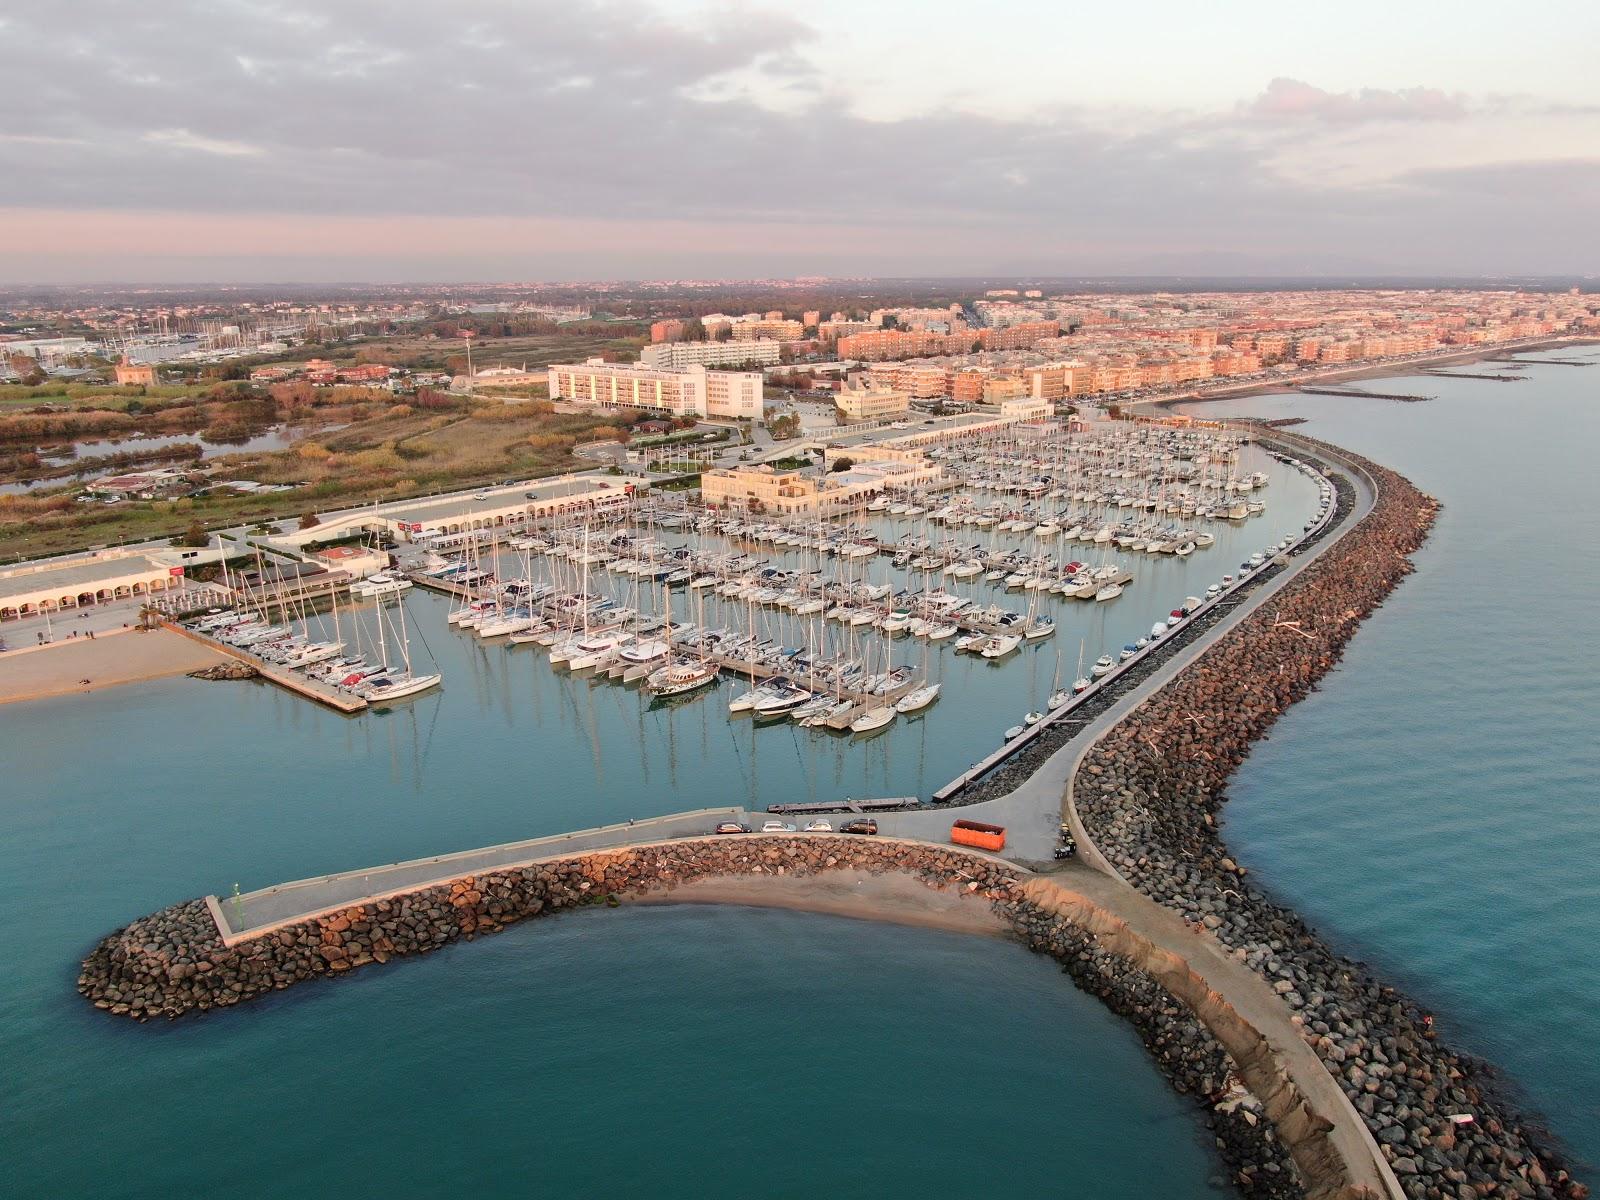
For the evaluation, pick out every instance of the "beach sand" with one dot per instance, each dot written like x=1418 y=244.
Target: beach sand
x=124 y=657
x=896 y=899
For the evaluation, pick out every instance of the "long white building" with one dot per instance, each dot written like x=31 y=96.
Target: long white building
x=763 y=352
x=679 y=391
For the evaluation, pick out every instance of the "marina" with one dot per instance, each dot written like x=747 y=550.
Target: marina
x=1062 y=560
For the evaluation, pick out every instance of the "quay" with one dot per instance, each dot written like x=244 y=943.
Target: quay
x=302 y=685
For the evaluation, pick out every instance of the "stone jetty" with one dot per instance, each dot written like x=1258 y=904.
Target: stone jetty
x=1149 y=795
x=175 y=963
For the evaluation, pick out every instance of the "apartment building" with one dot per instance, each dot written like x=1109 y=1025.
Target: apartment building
x=920 y=381
x=833 y=330
x=691 y=391
x=1021 y=336
x=761 y=353
x=666 y=331
x=779 y=328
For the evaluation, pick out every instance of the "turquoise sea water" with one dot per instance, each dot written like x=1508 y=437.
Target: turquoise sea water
x=690 y=1052
x=1434 y=807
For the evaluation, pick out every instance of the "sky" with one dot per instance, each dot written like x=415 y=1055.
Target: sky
x=279 y=140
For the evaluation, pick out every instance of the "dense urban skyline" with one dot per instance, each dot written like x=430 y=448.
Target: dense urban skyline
x=280 y=140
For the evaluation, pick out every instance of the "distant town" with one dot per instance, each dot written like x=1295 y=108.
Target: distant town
x=137 y=417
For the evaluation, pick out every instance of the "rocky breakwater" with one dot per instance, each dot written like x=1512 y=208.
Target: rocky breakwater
x=1148 y=795
x=1264 y=1148
x=175 y=961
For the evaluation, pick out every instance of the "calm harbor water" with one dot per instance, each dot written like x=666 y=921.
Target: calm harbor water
x=1433 y=808
x=693 y=1052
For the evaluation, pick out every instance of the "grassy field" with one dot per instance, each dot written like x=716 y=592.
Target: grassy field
x=428 y=353
x=388 y=453
x=14 y=397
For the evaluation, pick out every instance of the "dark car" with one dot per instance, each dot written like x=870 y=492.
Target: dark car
x=863 y=825
x=735 y=827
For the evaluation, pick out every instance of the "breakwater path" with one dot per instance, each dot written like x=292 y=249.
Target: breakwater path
x=1147 y=792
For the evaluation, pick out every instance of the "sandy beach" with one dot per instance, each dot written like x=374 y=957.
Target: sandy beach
x=896 y=899
x=109 y=659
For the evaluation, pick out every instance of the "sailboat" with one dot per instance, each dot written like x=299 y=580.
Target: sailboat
x=389 y=683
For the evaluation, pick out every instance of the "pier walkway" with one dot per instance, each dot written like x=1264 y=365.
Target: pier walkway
x=251 y=914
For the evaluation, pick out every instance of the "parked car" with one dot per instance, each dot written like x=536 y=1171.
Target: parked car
x=859 y=825
x=777 y=827
x=731 y=827
x=818 y=827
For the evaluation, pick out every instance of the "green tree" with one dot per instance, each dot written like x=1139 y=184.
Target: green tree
x=195 y=536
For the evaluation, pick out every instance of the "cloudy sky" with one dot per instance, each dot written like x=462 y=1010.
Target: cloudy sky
x=525 y=139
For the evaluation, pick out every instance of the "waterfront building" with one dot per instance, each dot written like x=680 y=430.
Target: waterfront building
x=763 y=488
x=83 y=580
x=460 y=513
x=867 y=402
x=691 y=391
x=763 y=352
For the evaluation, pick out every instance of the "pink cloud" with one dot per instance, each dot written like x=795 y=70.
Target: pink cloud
x=1290 y=100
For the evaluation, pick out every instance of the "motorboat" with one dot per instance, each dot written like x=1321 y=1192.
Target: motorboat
x=999 y=645
x=782 y=699
x=675 y=679
x=1103 y=665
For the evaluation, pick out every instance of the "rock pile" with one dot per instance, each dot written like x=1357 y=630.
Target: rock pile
x=1149 y=794
x=1182 y=1047
x=230 y=668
